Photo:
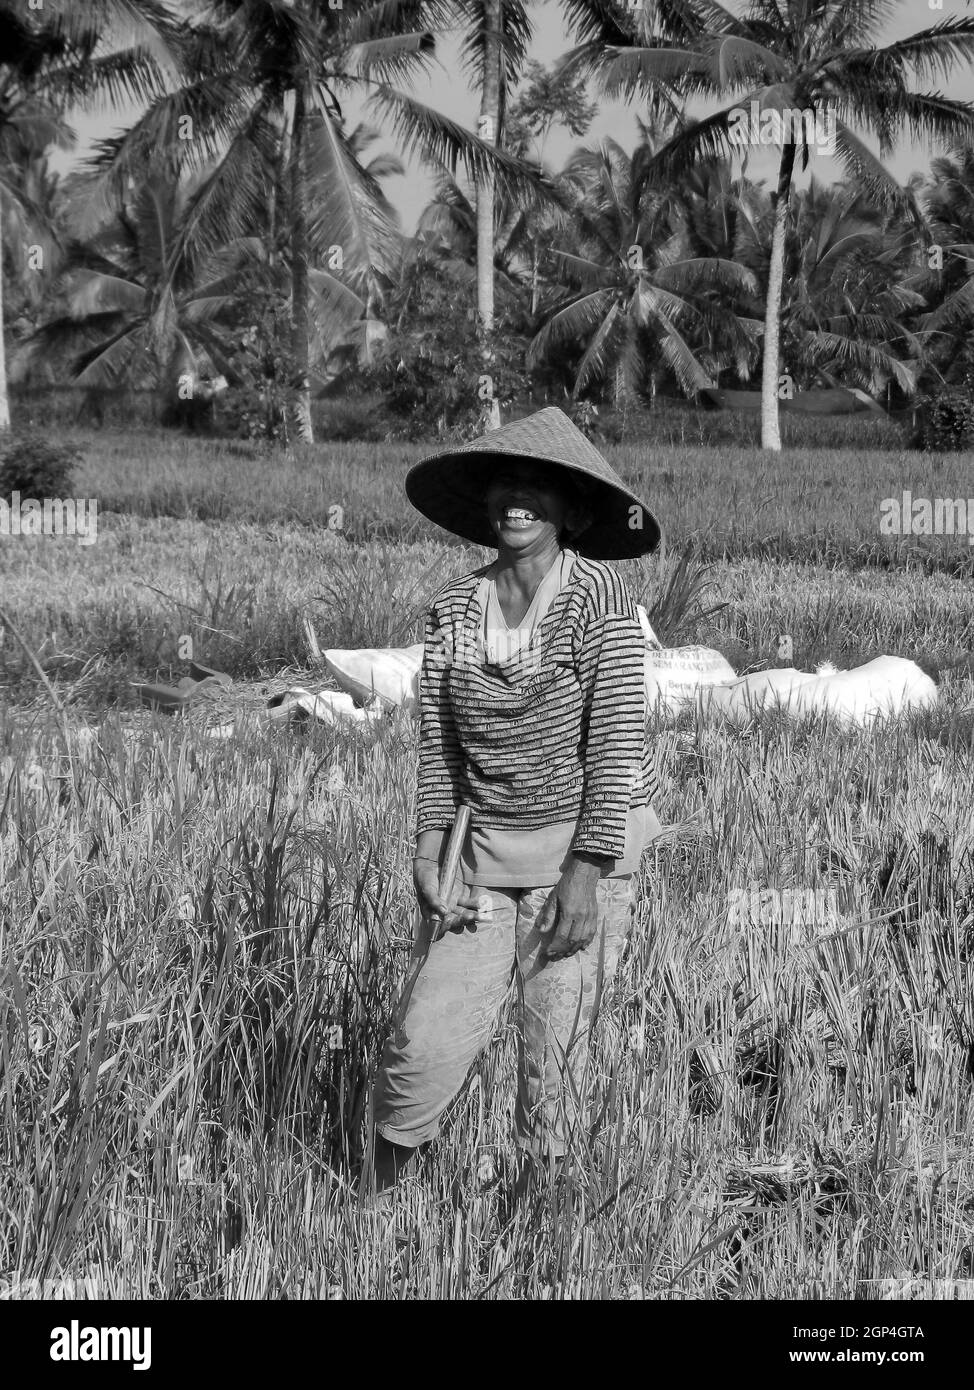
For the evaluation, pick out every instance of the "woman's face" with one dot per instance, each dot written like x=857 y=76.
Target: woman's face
x=526 y=507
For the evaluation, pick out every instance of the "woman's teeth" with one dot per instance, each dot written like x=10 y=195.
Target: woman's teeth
x=518 y=516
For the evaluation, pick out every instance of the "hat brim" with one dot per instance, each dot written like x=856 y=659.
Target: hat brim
x=449 y=489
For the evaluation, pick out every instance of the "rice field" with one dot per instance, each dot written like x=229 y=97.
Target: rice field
x=202 y=939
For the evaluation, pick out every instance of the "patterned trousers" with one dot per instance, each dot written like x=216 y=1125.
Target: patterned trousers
x=449 y=1017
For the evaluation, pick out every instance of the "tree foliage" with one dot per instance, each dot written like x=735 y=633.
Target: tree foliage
x=431 y=370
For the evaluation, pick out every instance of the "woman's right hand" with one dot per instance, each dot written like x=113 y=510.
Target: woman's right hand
x=426 y=881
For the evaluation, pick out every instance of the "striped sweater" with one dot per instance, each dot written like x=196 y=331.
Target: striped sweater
x=556 y=734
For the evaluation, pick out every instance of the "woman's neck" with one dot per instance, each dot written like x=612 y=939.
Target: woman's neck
x=522 y=573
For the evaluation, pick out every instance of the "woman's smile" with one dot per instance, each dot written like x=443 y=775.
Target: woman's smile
x=521 y=514
x=517 y=507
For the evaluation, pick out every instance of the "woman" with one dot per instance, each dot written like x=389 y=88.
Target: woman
x=532 y=715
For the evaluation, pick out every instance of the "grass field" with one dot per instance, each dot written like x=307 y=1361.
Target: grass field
x=201 y=940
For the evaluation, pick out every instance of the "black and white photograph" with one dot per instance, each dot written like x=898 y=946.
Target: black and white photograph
x=487 y=671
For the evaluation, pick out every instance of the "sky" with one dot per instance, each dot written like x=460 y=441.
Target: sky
x=446 y=90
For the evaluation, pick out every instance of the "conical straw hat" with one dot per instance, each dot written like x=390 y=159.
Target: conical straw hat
x=449 y=487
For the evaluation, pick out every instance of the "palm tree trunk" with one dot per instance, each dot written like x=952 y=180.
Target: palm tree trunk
x=770 y=432
x=488 y=130
x=300 y=322
x=169 y=355
x=4 y=398
x=279 y=189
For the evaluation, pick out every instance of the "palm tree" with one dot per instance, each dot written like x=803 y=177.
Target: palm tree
x=264 y=100
x=494 y=52
x=845 y=301
x=348 y=306
x=379 y=166
x=811 y=56
x=721 y=218
x=448 y=227
x=118 y=284
x=635 y=301
x=945 y=276
x=31 y=236
x=56 y=57
x=519 y=227
x=489 y=129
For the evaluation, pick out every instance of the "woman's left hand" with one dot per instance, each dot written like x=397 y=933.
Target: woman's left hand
x=572 y=908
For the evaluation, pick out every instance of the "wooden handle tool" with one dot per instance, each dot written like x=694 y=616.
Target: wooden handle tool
x=449 y=872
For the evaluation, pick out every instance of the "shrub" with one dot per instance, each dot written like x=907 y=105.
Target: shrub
x=585 y=414
x=261 y=367
x=37 y=467
x=946 y=421
x=257 y=412
x=362 y=418
x=434 y=374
